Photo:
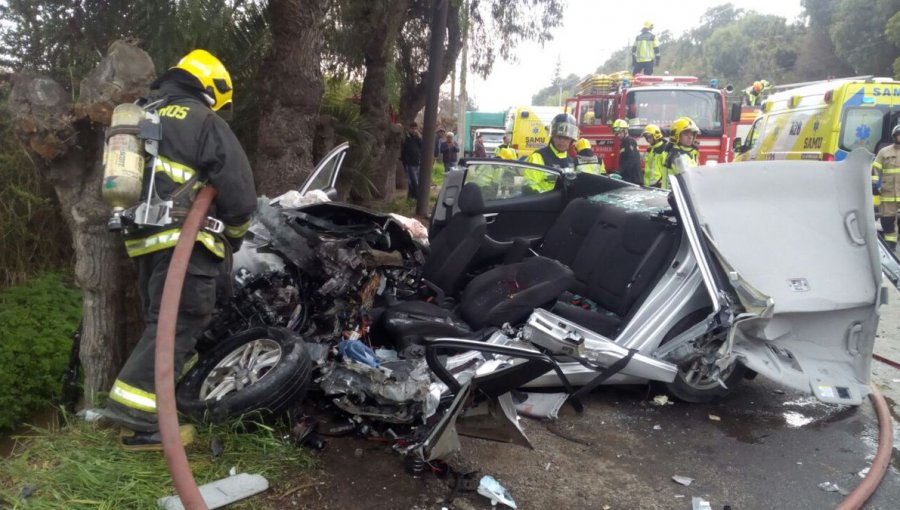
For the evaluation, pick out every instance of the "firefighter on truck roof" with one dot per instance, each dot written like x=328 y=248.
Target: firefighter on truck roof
x=645 y=51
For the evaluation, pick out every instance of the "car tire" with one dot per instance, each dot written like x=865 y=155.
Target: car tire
x=700 y=392
x=261 y=370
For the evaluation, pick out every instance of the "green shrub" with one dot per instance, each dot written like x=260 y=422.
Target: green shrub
x=36 y=324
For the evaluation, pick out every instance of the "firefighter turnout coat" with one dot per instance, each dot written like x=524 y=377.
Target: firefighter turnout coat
x=197 y=145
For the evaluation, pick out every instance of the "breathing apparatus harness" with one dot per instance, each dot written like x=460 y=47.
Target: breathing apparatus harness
x=120 y=189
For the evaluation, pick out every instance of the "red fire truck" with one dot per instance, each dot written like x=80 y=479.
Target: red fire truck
x=649 y=100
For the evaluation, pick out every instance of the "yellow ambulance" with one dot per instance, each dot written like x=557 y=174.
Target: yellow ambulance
x=823 y=120
x=528 y=127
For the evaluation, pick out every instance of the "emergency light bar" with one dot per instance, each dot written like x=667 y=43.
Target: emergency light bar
x=656 y=80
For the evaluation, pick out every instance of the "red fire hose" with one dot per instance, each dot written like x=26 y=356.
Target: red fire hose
x=858 y=497
x=167 y=413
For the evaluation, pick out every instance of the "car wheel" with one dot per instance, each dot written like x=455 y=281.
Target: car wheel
x=262 y=370
x=689 y=385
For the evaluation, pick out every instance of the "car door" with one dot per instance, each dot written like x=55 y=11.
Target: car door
x=520 y=200
x=324 y=176
x=795 y=244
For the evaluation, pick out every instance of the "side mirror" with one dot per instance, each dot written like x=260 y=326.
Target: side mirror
x=737 y=145
x=736 y=112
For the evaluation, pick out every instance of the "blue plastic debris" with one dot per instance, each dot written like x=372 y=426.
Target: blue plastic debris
x=358 y=351
x=490 y=488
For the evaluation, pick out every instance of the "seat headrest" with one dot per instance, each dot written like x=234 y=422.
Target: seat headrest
x=470 y=201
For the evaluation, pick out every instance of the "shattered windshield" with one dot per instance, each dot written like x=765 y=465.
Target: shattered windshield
x=642 y=200
x=662 y=107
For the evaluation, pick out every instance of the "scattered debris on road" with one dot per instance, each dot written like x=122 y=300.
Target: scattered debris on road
x=683 y=480
x=490 y=488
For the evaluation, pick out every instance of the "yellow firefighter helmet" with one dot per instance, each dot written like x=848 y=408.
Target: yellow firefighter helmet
x=212 y=75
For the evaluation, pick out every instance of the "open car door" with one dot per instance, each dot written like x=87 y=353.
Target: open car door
x=324 y=176
x=521 y=200
x=795 y=243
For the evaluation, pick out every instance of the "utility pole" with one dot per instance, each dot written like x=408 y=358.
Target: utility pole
x=435 y=63
x=463 y=68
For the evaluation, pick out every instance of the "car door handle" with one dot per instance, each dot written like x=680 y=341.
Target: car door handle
x=490 y=217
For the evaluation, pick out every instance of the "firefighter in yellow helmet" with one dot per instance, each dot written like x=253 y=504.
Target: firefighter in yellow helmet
x=682 y=144
x=507 y=153
x=654 y=175
x=629 y=156
x=197 y=148
x=587 y=161
x=645 y=51
x=887 y=166
x=563 y=133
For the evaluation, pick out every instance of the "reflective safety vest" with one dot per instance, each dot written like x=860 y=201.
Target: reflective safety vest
x=592 y=168
x=546 y=156
x=646 y=46
x=654 y=173
x=674 y=150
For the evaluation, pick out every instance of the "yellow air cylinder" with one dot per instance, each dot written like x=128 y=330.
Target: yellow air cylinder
x=123 y=162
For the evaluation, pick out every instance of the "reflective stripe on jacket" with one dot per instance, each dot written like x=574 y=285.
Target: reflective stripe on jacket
x=654 y=174
x=887 y=167
x=198 y=144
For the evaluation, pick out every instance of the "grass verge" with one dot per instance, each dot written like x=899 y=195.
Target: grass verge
x=82 y=466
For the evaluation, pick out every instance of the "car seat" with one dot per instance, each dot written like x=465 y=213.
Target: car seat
x=454 y=248
x=505 y=294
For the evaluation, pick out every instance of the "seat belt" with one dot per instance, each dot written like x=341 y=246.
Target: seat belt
x=604 y=374
x=641 y=265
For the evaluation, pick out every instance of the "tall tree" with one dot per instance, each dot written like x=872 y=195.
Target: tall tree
x=857 y=31
x=291 y=88
x=66 y=141
x=816 y=56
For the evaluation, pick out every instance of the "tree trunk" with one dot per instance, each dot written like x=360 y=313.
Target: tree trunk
x=379 y=24
x=414 y=83
x=292 y=92
x=66 y=141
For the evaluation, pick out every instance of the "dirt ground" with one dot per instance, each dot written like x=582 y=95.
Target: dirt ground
x=760 y=448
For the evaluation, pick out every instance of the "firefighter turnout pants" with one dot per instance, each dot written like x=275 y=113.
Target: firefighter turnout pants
x=889 y=228
x=132 y=400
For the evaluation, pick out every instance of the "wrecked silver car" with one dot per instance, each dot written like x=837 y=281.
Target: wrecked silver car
x=537 y=278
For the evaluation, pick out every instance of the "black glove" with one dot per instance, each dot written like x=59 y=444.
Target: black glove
x=235 y=243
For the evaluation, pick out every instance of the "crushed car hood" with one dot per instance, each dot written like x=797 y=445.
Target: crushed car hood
x=798 y=247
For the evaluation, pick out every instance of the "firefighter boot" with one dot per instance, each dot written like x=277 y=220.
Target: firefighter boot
x=152 y=441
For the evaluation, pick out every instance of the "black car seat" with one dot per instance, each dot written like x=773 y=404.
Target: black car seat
x=505 y=294
x=454 y=248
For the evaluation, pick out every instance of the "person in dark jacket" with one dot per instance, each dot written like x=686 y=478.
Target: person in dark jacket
x=438 y=140
x=197 y=148
x=411 y=157
x=479 y=150
x=629 y=156
x=449 y=152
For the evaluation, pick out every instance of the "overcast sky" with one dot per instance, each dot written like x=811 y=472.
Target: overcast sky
x=591 y=31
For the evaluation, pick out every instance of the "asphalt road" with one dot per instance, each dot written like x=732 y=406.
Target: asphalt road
x=767 y=449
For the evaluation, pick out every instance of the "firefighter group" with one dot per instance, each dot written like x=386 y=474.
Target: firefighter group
x=660 y=160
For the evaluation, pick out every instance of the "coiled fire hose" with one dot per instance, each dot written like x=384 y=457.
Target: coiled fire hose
x=164 y=375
